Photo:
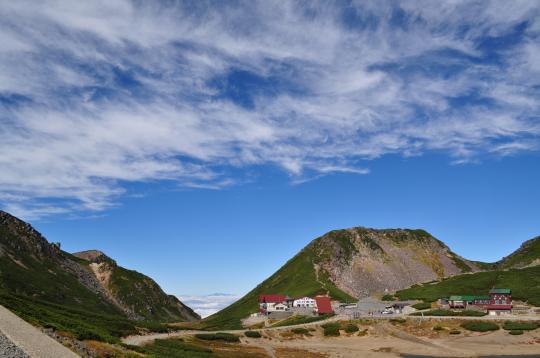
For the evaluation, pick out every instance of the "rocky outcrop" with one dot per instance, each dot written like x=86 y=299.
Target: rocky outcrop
x=362 y=261
x=136 y=294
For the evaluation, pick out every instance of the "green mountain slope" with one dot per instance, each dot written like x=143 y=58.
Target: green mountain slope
x=297 y=277
x=138 y=295
x=53 y=288
x=524 y=283
x=347 y=264
x=527 y=255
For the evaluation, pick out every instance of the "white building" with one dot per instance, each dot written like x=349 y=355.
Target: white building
x=304 y=302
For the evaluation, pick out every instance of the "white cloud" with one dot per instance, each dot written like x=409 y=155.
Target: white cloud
x=206 y=305
x=338 y=93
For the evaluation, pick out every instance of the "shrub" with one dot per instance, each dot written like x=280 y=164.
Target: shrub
x=300 y=330
x=516 y=332
x=351 y=328
x=524 y=326
x=441 y=312
x=480 y=326
x=455 y=331
x=422 y=306
x=387 y=298
x=331 y=329
x=438 y=328
x=226 y=337
x=252 y=334
x=397 y=320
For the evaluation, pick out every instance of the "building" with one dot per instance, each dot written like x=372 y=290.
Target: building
x=462 y=302
x=500 y=301
x=274 y=303
x=267 y=303
x=323 y=305
x=304 y=302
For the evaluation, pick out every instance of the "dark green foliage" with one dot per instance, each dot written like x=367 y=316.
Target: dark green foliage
x=331 y=329
x=351 y=328
x=387 y=298
x=296 y=278
x=441 y=312
x=397 y=320
x=252 y=334
x=173 y=348
x=300 y=330
x=455 y=331
x=83 y=324
x=225 y=337
x=298 y=319
x=524 y=283
x=524 y=326
x=480 y=326
x=422 y=305
x=516 y=332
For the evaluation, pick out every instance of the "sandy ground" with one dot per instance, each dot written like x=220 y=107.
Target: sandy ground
x=381 y=338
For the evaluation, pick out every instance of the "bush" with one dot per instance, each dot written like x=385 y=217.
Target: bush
x=300 y=330
x=351 y=328
x=252 y=334
x=438 y=328
x=397 y=320
x=516 y=332
x=387 y=298
x=422 y=306
x=523 y=326
x=331 y=329
x=455 y=331
x=480 y=326
x=441 y=312
x=226 y=337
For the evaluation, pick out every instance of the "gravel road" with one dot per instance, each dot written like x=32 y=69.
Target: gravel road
x=18 y=336
x=10 y=350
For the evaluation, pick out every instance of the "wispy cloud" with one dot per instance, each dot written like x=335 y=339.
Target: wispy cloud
x=97 y=94
x=206 y=305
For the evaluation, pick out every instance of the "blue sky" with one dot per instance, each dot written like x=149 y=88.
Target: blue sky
x=204 y=143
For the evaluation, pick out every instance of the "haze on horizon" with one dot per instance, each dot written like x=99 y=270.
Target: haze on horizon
x=204 y=143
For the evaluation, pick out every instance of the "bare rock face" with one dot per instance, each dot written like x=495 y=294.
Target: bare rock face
x=363 y=261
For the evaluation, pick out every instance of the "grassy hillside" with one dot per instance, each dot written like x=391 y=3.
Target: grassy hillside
x=296 y=278
x=527 y=254
x=524 y=283
x=51 y=288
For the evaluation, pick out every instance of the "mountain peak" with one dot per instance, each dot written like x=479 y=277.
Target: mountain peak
x=94 y=256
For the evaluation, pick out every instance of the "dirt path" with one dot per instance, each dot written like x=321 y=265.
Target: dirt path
x=29 y=339
x=138 y=340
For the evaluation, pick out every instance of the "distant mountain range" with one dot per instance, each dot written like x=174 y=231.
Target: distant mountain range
x=353 y=263
x=54 y=288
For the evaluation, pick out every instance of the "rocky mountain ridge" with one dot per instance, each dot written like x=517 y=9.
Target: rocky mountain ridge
x=33 y=268
x=352 y=263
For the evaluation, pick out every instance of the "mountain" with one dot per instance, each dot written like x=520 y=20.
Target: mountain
x=519 y=271
x=352 y=263
x=526 y=256
x=137 y=295
x=524 y=283
x=88 y=295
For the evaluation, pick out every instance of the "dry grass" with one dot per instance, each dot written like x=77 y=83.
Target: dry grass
x=297 y=353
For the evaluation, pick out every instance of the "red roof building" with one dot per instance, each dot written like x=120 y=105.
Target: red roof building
x=324 y=306
x=272 y=298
